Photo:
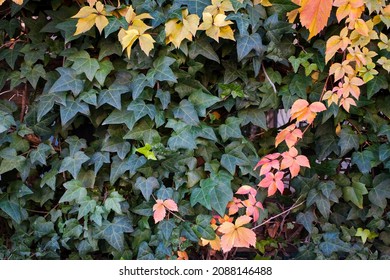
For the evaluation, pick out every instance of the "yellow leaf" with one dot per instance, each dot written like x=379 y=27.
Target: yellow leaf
x=127 y=39
x=294 y=13
x=85 y=24
x=19 y=2
x=176 y=31
x=264 y=3
x=217 y=26
x=84 y=12
x=314 y=15
x=361 y=27
x=335 y=43
x=91 y=2
x=146 y=43
x=101 y=22
x=219 y=7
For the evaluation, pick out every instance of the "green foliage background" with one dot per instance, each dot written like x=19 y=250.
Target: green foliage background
x=85 y=189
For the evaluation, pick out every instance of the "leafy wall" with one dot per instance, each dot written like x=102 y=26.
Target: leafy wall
x=131 y=129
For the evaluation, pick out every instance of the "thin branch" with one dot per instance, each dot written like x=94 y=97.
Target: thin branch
x=278 y=215
x=268 y=79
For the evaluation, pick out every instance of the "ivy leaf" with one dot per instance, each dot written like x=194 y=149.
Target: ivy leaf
x=87 y=205
x=306 y=219
x=323 y=205
x=146 y=186
x=119 y=167
x=381 y=191
x=71 y=109
x=165 y=98
x=13 y=209
x=146 y=151
x=112 y=96
x=375 y=85
x=194 y=6
x=73 y=163
x=144 y=252
x=161 y=70
x=186 y=112
x=246 y=43
x=113 y=202
x=230 y=162
x=220 y=196
x=283 y=6
x=201 y=194
x=121 y=117
x=144 y=131
x=68 y=81
x=74 y=191
x=40 y=154
x=363 y=160
x=253 y=115
x=140 y=109
x=116 y=145
x=202 y=47
x=105 y=68
x=166 y=227
x=113 y=233
x=202 y=101
x=384 y=152
x=332 y=243
x=355 y=193
x=138 y=84
x=182 y=139
x=11 y=162
x=348 y=140
x=231 y=128
x=33 y=73
x=75 y=144
x=326 y=145
x=83 y=63
x=98 y=159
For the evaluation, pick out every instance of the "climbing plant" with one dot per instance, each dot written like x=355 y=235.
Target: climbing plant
x=146 y=129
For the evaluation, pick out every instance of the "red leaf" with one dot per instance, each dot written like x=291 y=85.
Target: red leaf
x=159 y=211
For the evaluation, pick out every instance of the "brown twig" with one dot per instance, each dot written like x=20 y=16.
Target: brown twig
x=268 y=79
x=24 y=99
x=278 y=215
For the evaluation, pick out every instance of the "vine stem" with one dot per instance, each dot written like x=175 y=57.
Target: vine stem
x=278 y=215
x=268 y=79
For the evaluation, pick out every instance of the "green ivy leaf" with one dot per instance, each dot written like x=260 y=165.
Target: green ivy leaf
x=202 y=101
x=112 y=96
x=139 y=83
x=74 y=191
x=201 y=194
x=306 y=219
x=231 y=128
x=376 y=84
x=146 y=151
x=355 y=193
x=186 y=112
x=75 y=144
x=140 y=109
x=143 y=131
x=113 y=202
x=194 y=6
x=202 y=47
x=166 y=227
x=332 y=243
x=384 y=152
x=348 y=140
x=255 y=116
x=230 y=162
x=71 y=109
x=98 y=159
x=13 y=209
x=72 y=164
x=144 y=252
x=161 y=70
x=363 y=160
x=121 y=117
x=246 y=43
x=68 y=81
x=116 y=145
x=146 y=186
x=33 y=74
x=119 y=167
x=381 y=191
x=220 y=196
x=83 y=63
x=87 y=205
x=105 y=68
x=11 y=162
x=113 y=233
x=182 y=139
x=40 y=154
x=283 y=6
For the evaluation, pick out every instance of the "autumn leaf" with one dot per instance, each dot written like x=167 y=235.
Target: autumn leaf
x=314 y=15
x=335 y=43
x=217 y=27
x=351 y=85
x=347 y=102
x=19 y=2
x=177 y=30
x=290 y=134
x=264 y=3
x=292 y=15
x=293 y=161
x=340 y=69
x=215 y=244
x=350 y=9
x=234 y=205
x=302 y=111
x=252 y=207
x=88 y=17
x=182 y=255
x=136 y=31
x=235 y=235
x=219 y=7
x=331 y=97
x=268 y=162
x=245 y=189
x=160 y=207
x=273 y=182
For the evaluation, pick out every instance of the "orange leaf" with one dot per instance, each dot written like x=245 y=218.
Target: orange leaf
x=214 y=244
x=159 y=211
x=314 y=15
x=246 y=189
x=234 y=235
x=317 y=107
x=182 y=255
x=290 y=134
x=273 y=182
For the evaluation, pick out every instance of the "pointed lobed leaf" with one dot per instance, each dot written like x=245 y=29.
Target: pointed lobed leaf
x=314 y=15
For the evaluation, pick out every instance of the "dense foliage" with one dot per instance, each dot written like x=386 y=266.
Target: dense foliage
x=132 y=129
